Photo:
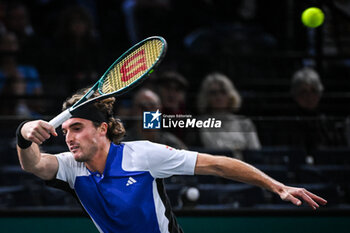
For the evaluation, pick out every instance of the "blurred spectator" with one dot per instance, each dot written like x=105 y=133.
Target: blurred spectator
x=307 y=90
x=17 y=80
x=18 y=21
x=172 y=88
x=333 y=38
x=336 y=29
x=2 y=17
x=77 y=49
x=147 y=100
x=142 y=18
x=313 y=129
x=219 y=99
x=228 y=38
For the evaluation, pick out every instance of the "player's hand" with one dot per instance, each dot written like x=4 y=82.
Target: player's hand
x=37 y=131
x=299 y=195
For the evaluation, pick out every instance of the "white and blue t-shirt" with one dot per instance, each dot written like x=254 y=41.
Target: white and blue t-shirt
x=129 y=196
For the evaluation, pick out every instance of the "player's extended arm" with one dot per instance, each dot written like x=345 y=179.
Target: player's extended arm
x=29 y=136
x=240 y=171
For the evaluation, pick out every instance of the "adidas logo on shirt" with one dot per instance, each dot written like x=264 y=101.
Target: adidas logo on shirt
x=131 y=181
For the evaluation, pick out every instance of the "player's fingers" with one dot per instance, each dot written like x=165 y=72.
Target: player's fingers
x=43 y=132
x=292 y=199
x=39 y=132
x=302 y=194
x=318 y=199
x=36 y=137
x=49 y=128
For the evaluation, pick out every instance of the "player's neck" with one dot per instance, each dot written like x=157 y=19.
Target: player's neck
x=98 y=162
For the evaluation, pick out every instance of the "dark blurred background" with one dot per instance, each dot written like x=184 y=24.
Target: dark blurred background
x=298 y=132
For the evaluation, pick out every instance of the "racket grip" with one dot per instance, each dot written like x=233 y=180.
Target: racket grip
x=59 y=119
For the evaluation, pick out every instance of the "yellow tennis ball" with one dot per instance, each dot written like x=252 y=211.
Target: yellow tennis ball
x=312 y=17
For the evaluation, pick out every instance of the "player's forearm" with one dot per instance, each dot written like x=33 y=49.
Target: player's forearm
x=29 y=157
x=240 y=171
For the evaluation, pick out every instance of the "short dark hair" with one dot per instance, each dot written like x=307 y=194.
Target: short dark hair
x=172 y=76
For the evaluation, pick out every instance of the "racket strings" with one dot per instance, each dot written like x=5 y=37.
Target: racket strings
x=132 y=67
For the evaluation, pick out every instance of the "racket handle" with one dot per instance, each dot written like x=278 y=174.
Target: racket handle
x=59 y=119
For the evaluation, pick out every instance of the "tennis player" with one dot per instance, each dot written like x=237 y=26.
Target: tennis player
x=120 y=183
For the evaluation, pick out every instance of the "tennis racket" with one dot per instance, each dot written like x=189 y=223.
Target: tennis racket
x=129 y=70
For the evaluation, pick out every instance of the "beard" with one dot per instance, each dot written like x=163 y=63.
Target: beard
x=81 y=159
x=86 y=156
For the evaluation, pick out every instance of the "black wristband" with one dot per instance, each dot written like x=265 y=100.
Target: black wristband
x=21 y=141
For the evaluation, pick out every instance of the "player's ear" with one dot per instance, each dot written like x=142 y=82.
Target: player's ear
x=104 y=127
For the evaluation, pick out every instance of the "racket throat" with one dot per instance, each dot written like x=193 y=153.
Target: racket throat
x=89 y=94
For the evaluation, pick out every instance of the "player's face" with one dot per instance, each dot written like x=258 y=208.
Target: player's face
x=82 y=138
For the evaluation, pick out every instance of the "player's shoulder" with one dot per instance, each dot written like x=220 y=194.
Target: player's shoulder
x=135 y=143
x=142 y=146
x=147 y=148
x=137 y=154
x=66 y=155
x=68 y=159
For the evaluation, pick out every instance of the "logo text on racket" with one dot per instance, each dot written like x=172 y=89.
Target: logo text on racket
x=133 y=65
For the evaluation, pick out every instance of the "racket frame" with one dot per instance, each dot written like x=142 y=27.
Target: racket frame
x=66 y=114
